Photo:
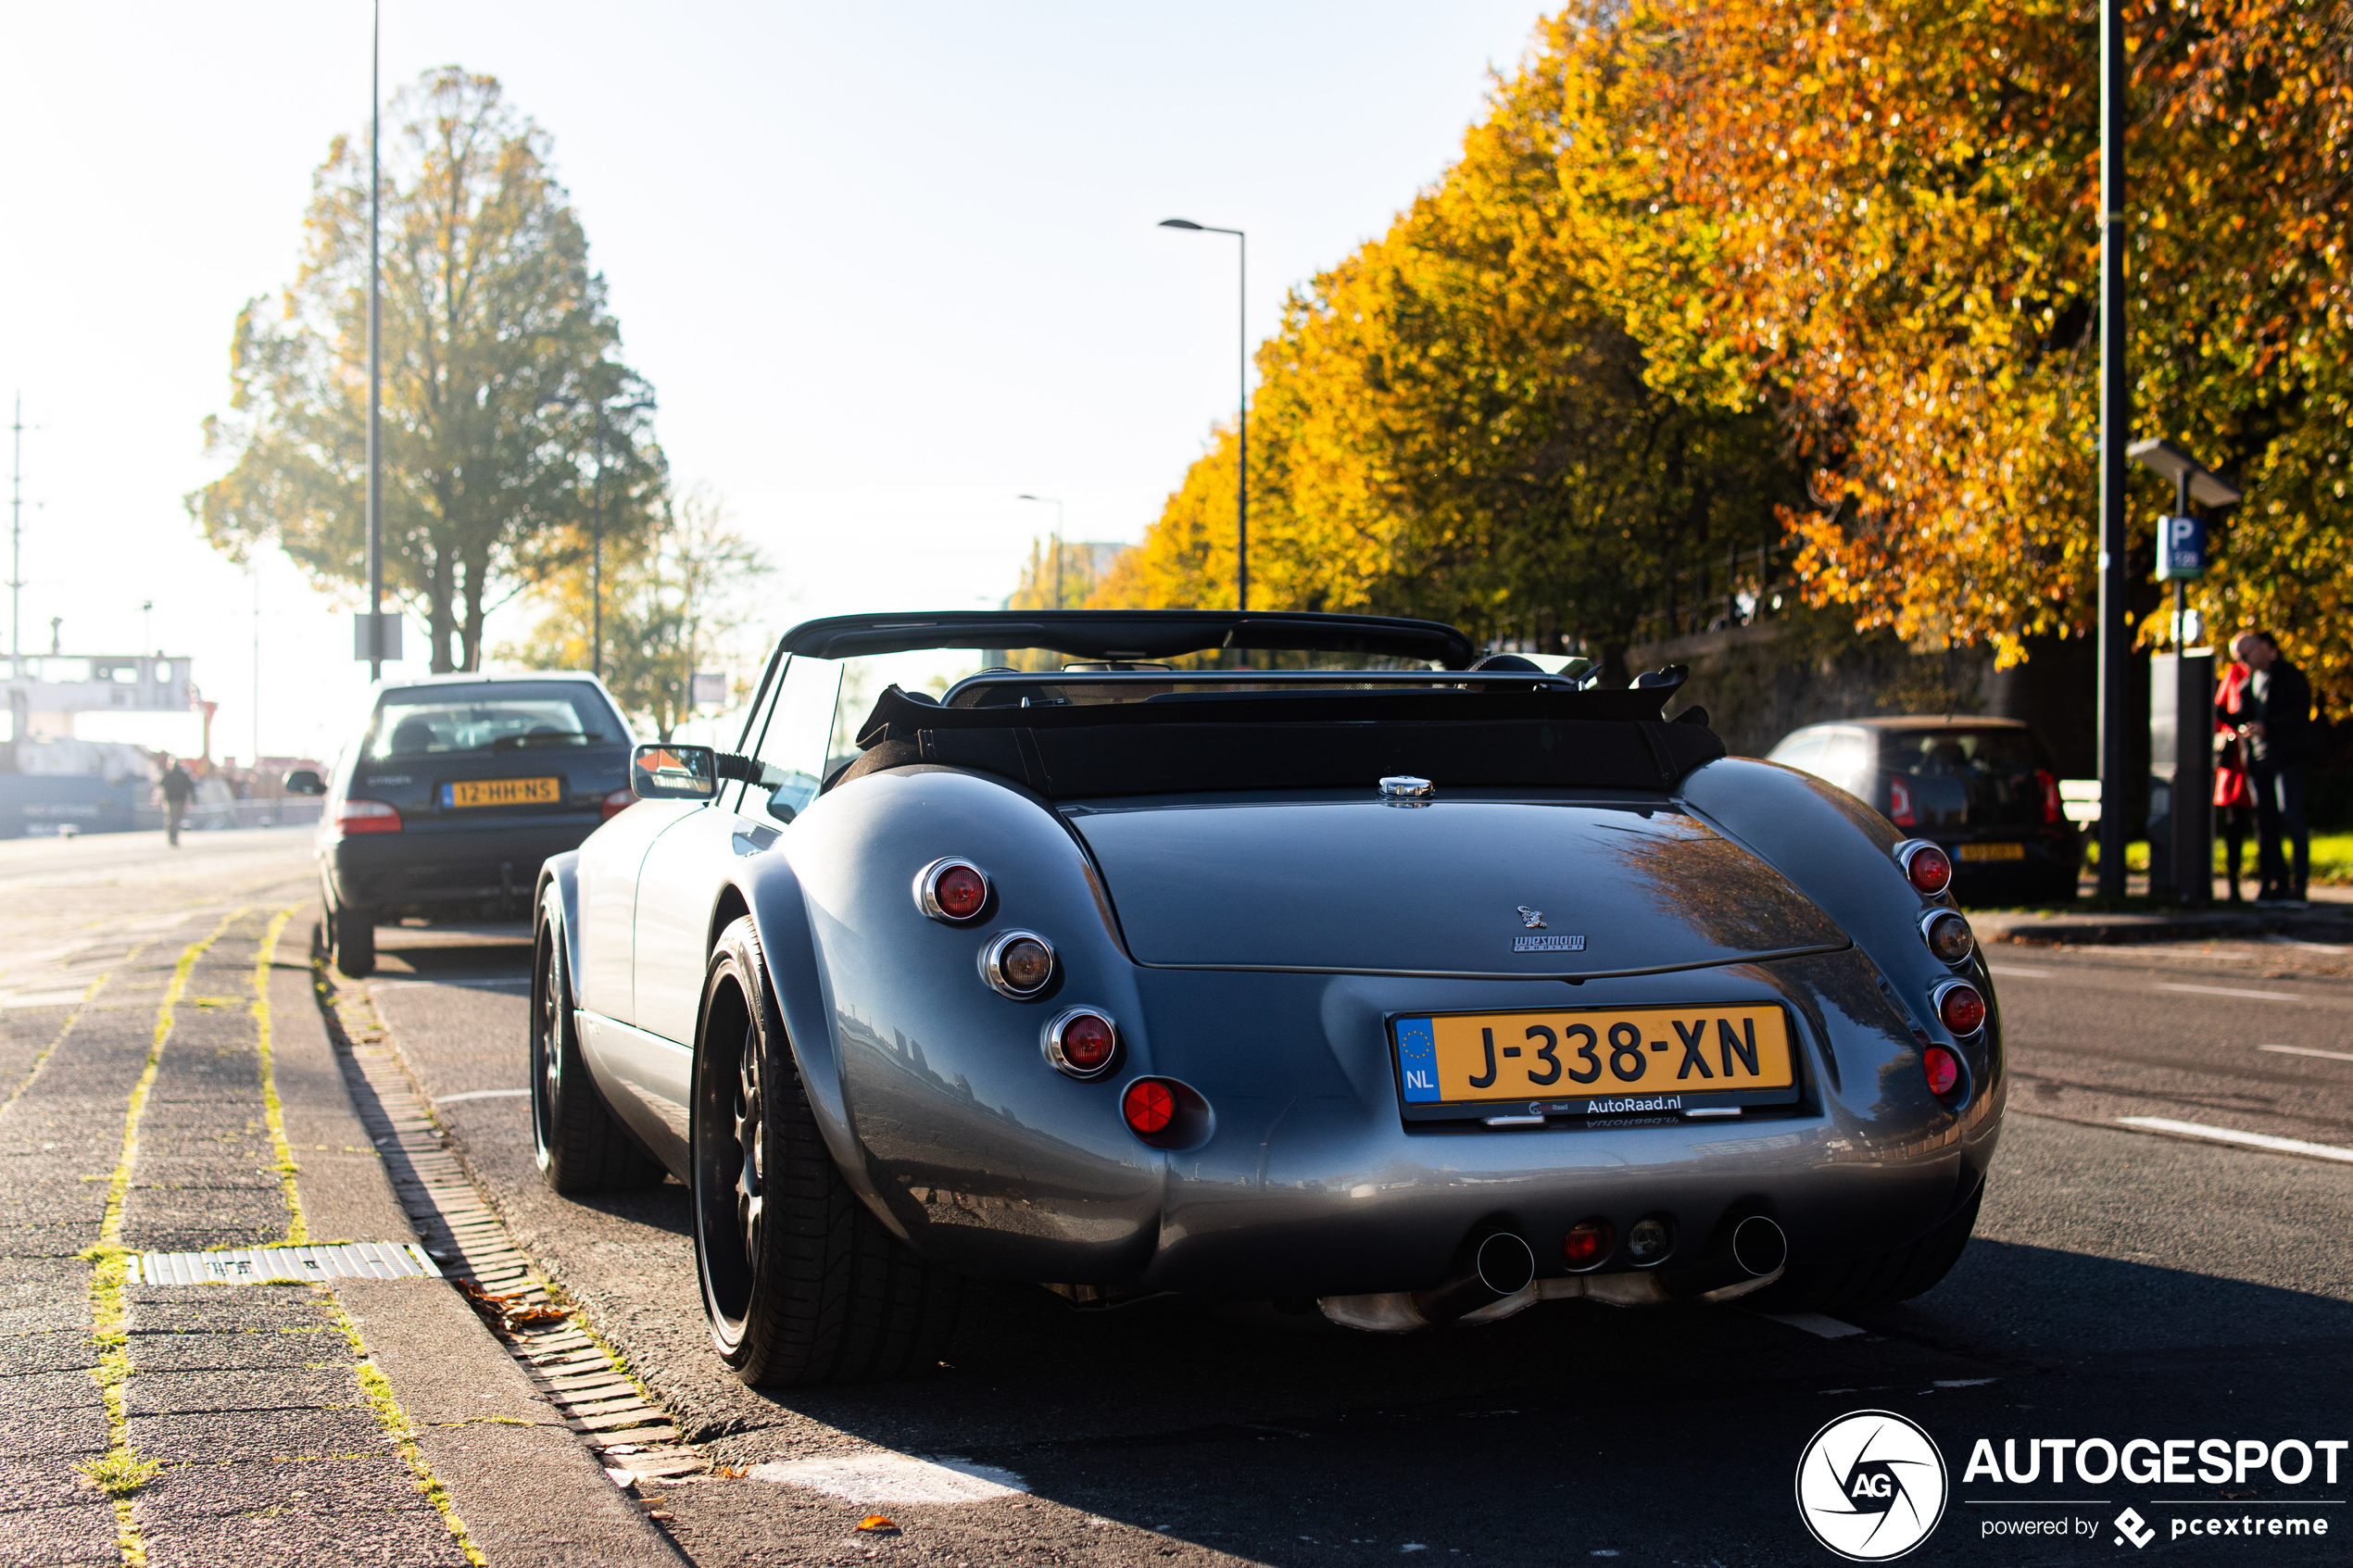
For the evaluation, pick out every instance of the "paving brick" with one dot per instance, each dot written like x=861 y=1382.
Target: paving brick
x=261 y=1390
x=232 y=1437
x=43 y=1434
x=29 y=1355
x=373 y=1482
x=417 y=1540
x=250 y=1350
x=54 y=1537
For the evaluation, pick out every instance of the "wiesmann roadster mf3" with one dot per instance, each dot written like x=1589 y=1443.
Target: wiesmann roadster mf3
x=1303 y=957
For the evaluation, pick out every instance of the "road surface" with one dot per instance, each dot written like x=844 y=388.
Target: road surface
x=2136 y=1275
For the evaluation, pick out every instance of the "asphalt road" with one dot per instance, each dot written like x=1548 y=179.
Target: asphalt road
x=2124 y=1283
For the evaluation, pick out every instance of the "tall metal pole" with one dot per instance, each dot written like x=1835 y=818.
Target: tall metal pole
x=256 y=757
x=597 y=555
x=1242 y=409
x=16 y=546
x=1241 y=424
x=375 y=363
x=2116 y=420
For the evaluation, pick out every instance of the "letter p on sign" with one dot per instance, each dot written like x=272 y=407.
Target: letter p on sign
x=2181 y=548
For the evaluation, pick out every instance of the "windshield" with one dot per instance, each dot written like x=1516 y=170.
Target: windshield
x=493 y=716
x=1962 y=753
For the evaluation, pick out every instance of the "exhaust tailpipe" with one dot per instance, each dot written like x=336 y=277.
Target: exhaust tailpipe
x=1500 y=1264
x=1748 y=1249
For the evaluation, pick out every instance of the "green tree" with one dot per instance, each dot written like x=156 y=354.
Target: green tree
x=676 y=595
x=497 y=351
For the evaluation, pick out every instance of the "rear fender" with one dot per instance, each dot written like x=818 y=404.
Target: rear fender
x=771 y=891
x=1836 y=850
x=561 y=873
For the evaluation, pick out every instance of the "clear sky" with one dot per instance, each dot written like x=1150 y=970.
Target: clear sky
x=886 y=267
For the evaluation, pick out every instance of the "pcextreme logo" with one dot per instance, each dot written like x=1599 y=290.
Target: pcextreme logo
x=1871 y=1486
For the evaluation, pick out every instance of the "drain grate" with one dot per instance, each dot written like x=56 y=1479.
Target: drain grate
x=279 y=1265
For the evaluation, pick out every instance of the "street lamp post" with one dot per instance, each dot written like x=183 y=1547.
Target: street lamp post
x=2116 y=425
x=375 y=363
x=1242 y=408
x=1051 y=501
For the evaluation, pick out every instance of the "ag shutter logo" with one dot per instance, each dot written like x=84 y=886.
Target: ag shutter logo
x=1871 y=1486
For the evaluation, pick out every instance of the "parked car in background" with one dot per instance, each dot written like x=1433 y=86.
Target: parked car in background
x=455 y=790
x=1983 y=789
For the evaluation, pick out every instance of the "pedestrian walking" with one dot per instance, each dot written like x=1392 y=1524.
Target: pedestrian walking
x=178 y=790
x=2278 y=736
x=2234 y=791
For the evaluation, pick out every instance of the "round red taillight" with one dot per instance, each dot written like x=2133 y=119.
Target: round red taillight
x=1960 y=1007
x=1087 y=1041
x=1586 y=1244
x=1928 y=868
x=615 y=803
x=1943 y=1070
x=1082 y=1043
x=952 y=890
x=1150 y=1106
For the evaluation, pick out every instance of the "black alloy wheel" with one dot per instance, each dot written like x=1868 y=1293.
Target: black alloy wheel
x=802 y=1284
x=576 y=1141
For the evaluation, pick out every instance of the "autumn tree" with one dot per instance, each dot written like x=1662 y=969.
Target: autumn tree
x=674 y=595
x=1882 y=223
x=499 y=352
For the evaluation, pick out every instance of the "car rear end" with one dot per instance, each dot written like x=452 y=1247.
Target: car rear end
x=460 y=790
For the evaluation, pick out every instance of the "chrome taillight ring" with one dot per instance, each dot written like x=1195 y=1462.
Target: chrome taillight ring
x=1938 y=928
x=927 y=889
x=993 y=966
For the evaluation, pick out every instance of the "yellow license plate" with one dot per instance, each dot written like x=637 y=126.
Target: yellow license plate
x=1597 y=1061
x=1992 y=851
x=503 y=792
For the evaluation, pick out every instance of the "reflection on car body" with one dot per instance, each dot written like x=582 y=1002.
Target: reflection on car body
x=1122 y=971
x=1983 y=789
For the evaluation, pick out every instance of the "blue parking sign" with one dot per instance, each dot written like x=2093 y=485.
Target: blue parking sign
x=2181 y=548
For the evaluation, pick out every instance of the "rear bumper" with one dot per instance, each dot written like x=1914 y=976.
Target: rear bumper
x=438 y=865
x=1308 y=1183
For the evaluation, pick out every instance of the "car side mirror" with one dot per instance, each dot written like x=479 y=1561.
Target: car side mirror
x=674 y=773
x=305 y=781
x=779 y=807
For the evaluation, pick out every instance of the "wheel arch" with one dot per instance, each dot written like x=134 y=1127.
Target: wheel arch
x=561 y=873
x=767 y=889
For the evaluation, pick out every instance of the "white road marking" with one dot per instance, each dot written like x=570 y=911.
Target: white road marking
x=1960 y=1383
x=2008 y=971
x=482 y=1093
x=2231 y=1134
x=2231 y=991
x=2306 y=1050
x=885 y=1476
x=1815 y=1323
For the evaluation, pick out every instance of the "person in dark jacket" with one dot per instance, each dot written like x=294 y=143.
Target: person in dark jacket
x=178 y=790
x=2278 y=738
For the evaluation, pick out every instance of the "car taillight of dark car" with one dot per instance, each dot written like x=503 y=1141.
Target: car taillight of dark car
x=366 y=816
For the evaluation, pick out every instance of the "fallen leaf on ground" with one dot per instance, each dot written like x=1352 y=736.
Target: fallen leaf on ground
x=878 y=1524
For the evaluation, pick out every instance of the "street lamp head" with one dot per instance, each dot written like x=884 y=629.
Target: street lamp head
x=1179 y=223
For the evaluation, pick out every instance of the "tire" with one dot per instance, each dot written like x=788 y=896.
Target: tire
x=1879 y=1279
x=803 y=1284
x=352 y=934
x=578 y=1143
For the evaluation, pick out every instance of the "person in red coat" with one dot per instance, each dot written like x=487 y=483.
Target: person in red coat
x=2233 y=794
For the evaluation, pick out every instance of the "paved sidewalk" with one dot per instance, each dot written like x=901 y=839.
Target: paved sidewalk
x=190 y=1424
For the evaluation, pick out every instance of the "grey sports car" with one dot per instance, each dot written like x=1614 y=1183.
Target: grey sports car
x=1315 y=959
